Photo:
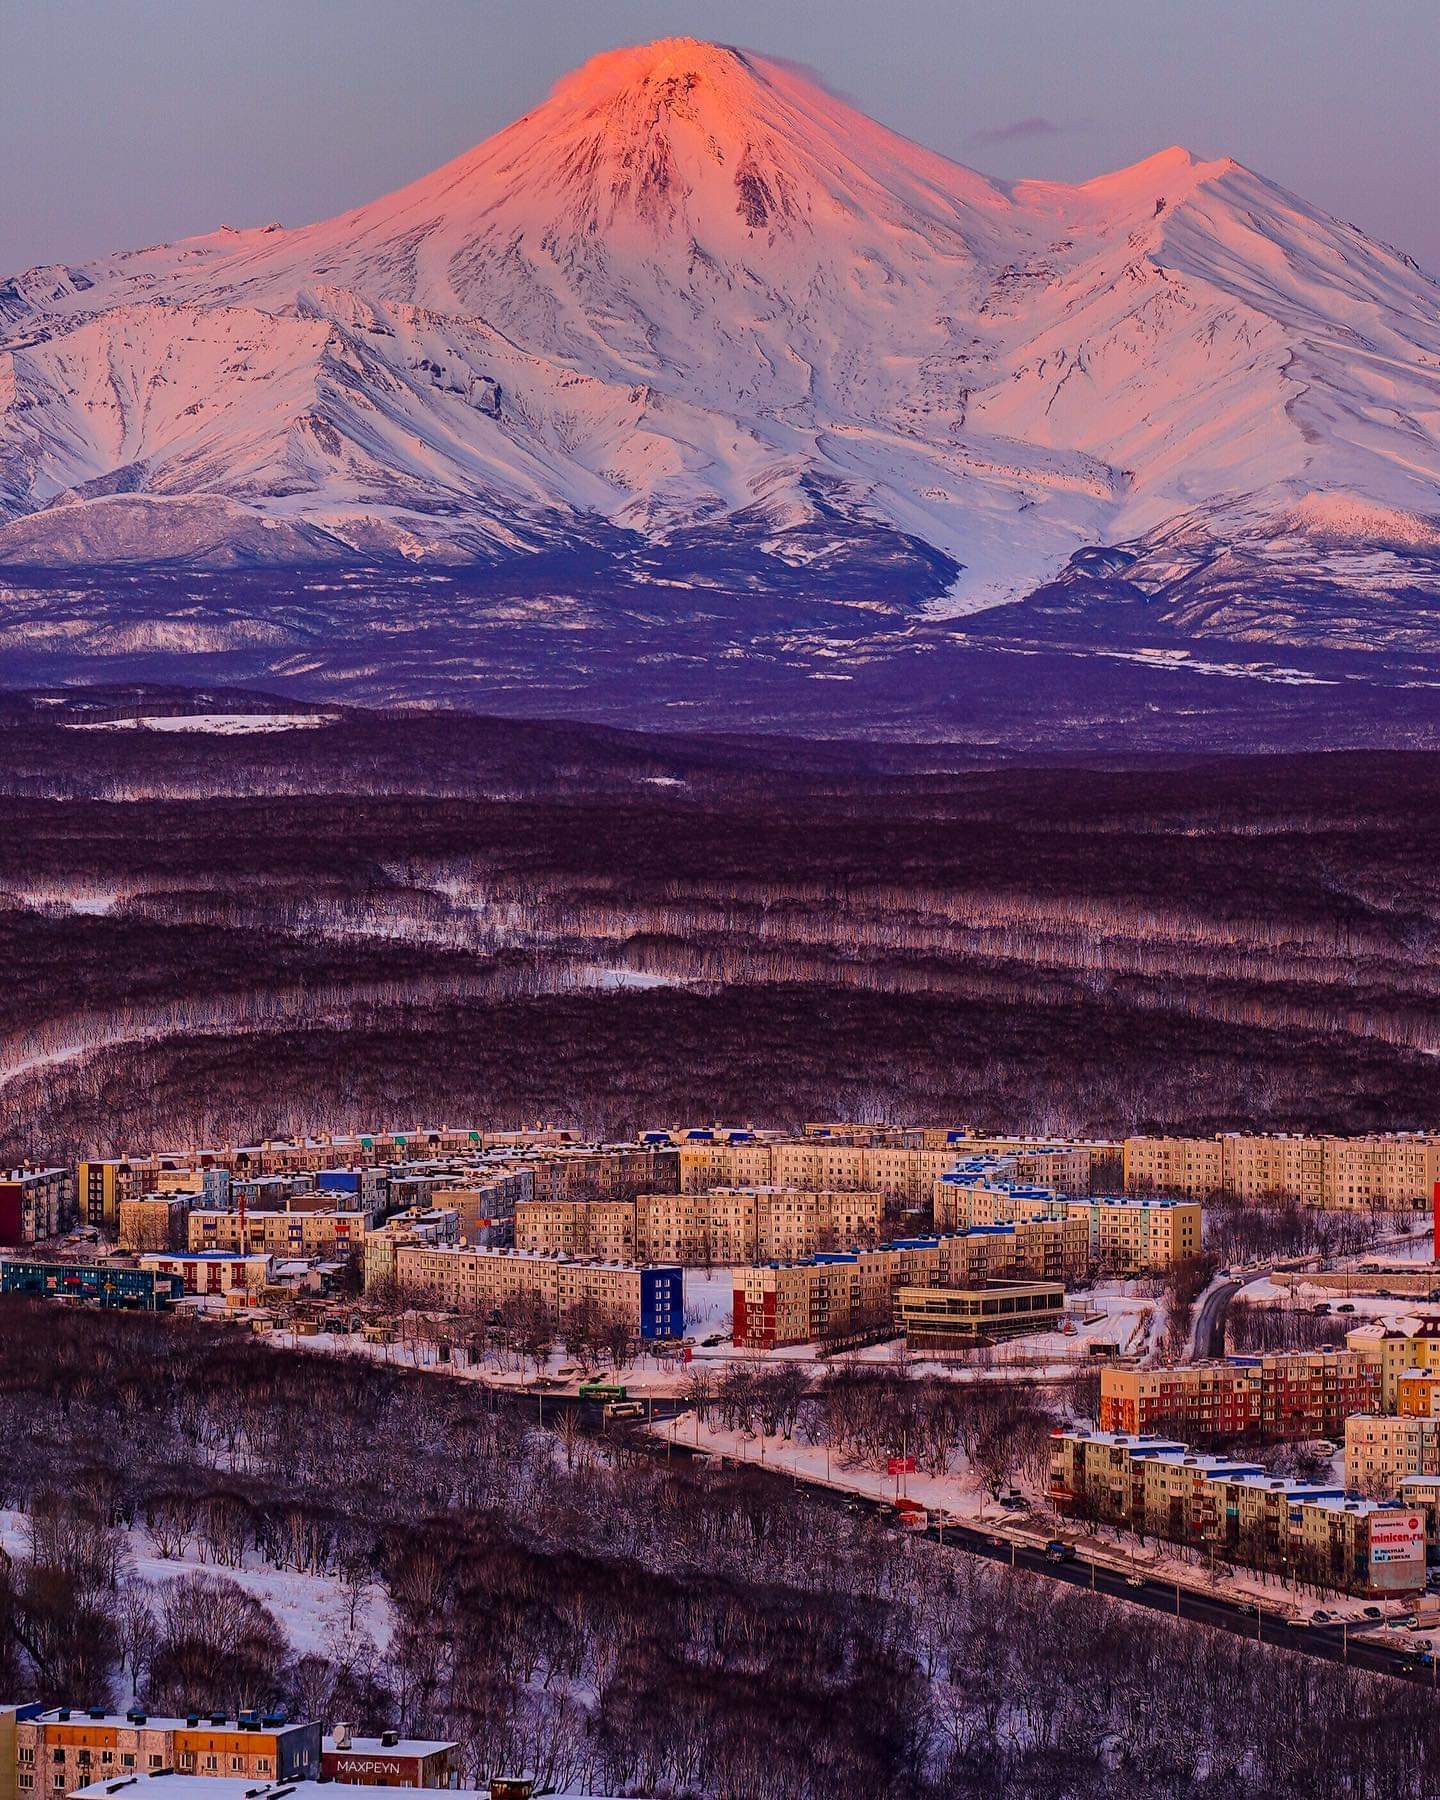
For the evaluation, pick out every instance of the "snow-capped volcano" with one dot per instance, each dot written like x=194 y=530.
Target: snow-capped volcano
x=695 y=298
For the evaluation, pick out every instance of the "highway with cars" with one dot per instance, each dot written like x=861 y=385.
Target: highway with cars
x=1331 y=1640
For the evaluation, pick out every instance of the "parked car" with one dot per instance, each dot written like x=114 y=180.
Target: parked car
x=1057 y=1551
x=1345 y=1306
x=1374 y=1612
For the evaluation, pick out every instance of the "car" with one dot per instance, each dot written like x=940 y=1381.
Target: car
x=1320 y=1616
x=1410 y=1623
x=1373 y=1612
x=1057 y=1551
x=1345 y=1306
x=710 y=1343
x=1134 y=1581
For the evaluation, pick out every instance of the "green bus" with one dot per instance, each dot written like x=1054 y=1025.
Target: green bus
x=601 y=1390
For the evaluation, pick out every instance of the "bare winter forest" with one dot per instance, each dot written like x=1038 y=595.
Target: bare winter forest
x=605 y=1616
x=394 y=916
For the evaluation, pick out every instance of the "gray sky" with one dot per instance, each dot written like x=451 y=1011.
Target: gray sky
x=127 y=121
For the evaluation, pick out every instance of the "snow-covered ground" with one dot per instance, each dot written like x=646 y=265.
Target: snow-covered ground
x=217 y=724
x=1114 y=1315
x=313 y=1609
x=958 y=1495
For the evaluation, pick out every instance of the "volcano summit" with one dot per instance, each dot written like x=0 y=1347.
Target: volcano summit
x=694 y=332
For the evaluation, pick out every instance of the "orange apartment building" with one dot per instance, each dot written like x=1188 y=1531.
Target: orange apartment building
x=65 y=1748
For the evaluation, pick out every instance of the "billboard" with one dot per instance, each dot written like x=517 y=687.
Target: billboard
x=1397 y=1537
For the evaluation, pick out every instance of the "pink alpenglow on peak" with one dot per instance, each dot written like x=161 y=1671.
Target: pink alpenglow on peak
x=694 y=291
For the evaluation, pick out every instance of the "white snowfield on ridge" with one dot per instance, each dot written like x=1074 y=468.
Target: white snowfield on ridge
x=694 y=284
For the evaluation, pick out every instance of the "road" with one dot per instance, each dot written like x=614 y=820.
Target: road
x=1331 y=1642
x=1209 y=1331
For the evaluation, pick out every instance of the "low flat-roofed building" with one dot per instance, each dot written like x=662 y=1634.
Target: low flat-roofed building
x=105 y=1284
x=212 y=1271
x=155 y=1786
x=389 y=1760
x=939 y=1319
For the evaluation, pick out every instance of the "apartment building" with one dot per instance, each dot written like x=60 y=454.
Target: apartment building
x=102 y=1188
x=34 y=1204
x=1127 y=1233
x=987 y=1190
x=64 y=1748
x=1191 y=1168
x=834 y=1294
x=154 y=1222
x=433 y=1225
x=898 y=1171
x=1137 y=1234
x=1314 y=1530
x=846 y=1292
x=604 y=1171
x=483 y=1197
x=479 y=1281
x=1401 y=1347
x=9 y=1713
x=717 y=1226
x=1277 y=1396
x=1389 y=1173
x=327 y=1233
x=1097 y=1474
x=1418 y=1394
x=1381 y=1450
x=577 y=1228
x=1284 y=1165
x=1395 y=1170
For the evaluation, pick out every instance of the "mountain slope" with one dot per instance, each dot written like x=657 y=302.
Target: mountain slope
x=694 y=301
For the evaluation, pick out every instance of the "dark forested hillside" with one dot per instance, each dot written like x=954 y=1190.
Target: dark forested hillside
x=390 y=916
x=602 y=1615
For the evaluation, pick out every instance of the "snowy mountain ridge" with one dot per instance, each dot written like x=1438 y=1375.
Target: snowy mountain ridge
x=695 y=293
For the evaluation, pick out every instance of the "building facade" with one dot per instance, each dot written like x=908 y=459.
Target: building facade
x=843 y=1293
x=1307 y=1530
x=64 y=1748
x=1381 y=1450
x=480 y=1281
x=35 y=1204
x=1278 y=1396
x=944 y=1319
x=389 y=1760
x=1387 y=1171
